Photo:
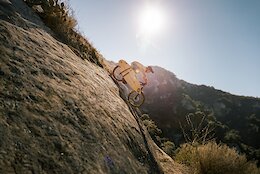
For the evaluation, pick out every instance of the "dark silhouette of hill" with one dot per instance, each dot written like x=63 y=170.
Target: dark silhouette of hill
x=236 y=118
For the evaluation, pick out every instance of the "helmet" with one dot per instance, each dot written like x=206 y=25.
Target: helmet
x=149 y=68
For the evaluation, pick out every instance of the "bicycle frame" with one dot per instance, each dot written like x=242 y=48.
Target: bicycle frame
x=126 y=71
x=129 y=76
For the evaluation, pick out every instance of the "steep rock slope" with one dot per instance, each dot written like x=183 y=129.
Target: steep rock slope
x=61 y=114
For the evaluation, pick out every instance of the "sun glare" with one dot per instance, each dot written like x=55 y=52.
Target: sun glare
x=152 y=20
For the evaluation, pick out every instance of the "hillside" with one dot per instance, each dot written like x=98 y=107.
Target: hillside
x=61 y=113
x=236 y=118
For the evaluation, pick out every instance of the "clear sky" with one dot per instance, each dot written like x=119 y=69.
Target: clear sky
x=211 y=42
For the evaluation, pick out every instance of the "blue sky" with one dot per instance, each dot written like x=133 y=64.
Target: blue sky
x=211 y=42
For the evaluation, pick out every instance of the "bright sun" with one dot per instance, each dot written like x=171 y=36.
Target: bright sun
x=152 y=20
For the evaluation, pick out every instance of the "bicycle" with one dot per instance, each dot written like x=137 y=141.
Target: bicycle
x=124 y=73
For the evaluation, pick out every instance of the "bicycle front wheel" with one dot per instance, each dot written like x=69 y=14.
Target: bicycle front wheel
x=136 y=99
x=117 y=73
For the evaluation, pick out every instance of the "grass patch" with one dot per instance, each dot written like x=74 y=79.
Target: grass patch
x=212 y=158
x=56 y=15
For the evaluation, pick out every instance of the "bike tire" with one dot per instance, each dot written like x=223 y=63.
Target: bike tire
x=116 y=74
x=136 y=99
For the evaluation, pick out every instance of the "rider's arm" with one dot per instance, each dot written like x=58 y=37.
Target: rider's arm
x=137 y=66
x=140 y=69
x=144 y=78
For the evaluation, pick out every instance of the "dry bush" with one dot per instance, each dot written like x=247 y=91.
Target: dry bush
x=211 y=158
x=197 y=128
x=56 y=16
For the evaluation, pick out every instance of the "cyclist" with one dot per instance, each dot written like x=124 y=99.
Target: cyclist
x=138 y=72
x=134 y=76
x=141 y=70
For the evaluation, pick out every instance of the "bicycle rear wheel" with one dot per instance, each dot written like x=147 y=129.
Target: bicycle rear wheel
x=116 y=73
x=136 y=99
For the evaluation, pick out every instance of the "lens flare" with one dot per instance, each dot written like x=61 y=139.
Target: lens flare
x=152 y=20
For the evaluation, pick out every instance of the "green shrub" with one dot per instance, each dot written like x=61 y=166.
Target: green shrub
x=145 y=117
x=156 y=134
x=152 y=127
x=168 y=147
x=232 y=136
x=211 y=158
x=56 y=16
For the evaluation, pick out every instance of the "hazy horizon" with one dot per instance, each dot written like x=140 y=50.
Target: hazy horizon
x=215 y=43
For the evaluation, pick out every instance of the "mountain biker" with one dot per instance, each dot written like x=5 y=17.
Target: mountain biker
x=134 y=78
x=141 y=70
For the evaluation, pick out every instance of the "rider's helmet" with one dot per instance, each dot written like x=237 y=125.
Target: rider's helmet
x=149 y=69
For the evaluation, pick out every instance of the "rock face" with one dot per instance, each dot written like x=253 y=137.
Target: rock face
x=62 y=114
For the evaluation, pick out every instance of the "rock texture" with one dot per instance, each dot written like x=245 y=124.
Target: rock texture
x=62 y=114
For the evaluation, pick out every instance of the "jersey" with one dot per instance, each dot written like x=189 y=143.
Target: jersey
x=139 y=70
